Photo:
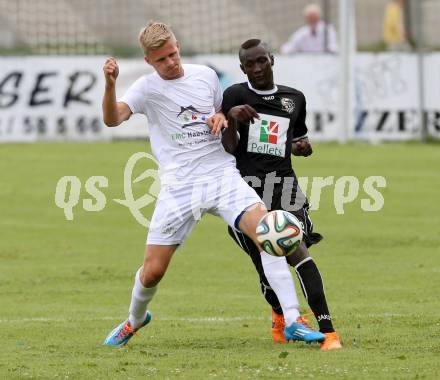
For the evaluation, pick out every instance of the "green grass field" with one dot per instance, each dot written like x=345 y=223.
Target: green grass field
x=65 y=284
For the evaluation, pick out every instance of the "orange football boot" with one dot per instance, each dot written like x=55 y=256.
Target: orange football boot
x=278 y=325
x=331 y=342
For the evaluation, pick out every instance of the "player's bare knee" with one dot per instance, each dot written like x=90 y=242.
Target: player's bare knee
x=151 y=273
x=299 y=255
x=249 y=220
x=151 y=276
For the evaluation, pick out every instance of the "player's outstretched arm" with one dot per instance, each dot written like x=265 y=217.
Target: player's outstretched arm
x=114 y=113
x=302 y=148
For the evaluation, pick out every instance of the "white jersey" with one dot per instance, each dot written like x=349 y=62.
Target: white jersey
x=177 y=111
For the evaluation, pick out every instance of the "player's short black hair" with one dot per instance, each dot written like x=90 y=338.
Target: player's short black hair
x=252 y=43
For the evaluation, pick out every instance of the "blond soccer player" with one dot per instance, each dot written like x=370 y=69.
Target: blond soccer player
x=183 y=107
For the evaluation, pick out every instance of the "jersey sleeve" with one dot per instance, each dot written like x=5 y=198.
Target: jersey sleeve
x=135 y=97
x=217 y=91
x=300 y=128
x=230 y=99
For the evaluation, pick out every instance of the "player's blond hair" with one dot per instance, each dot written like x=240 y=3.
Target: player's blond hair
x=154 y=36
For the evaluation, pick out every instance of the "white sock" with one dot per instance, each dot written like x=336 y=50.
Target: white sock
x=280 y=280
x=140 y=297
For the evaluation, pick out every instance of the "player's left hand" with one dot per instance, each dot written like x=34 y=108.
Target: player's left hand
x=302 y=148
x=216 y=123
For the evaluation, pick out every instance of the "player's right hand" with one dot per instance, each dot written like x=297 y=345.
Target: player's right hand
x=243 y=114
x=111 y=70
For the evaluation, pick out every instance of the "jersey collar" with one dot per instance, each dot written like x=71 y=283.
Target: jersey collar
x=261 y=92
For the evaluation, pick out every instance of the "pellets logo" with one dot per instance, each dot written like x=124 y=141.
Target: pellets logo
x=269 y=132
x=268 y=135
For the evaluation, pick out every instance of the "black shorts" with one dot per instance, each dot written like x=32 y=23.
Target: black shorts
x=309 y=236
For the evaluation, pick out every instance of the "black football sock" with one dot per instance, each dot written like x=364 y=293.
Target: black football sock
x=313 y=289
x=271 y=298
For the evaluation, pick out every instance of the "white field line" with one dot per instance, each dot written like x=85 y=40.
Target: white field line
x=177 y=319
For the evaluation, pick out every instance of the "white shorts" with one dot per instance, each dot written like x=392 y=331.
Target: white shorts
x=180 y=207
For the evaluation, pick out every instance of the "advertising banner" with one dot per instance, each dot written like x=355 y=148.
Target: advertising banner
x=59 y=98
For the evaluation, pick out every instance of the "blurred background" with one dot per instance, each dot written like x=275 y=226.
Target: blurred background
x=369 y=68
x=203 y=26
